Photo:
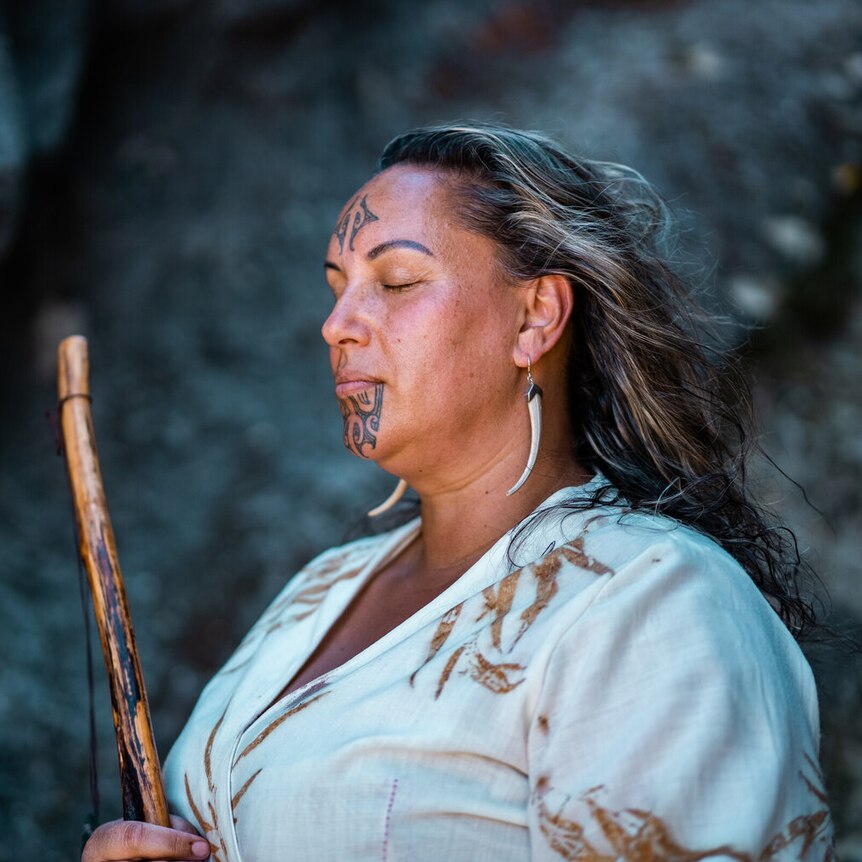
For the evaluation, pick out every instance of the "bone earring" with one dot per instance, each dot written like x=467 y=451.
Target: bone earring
x=534 y=405
x=391 y=500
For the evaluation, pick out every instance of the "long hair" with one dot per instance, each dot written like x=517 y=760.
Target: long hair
x=654 y=405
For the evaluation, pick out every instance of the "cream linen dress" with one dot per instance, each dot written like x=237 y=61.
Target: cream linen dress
x=623 y=692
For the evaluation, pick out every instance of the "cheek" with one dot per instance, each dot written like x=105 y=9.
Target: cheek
x=422 y=335
x=451 y=347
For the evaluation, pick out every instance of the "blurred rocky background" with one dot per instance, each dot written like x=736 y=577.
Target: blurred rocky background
x=169 y=174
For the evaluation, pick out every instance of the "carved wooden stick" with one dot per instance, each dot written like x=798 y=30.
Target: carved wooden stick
x=143 y=794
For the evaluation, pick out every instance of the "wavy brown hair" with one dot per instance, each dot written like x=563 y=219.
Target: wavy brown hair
x=654 y=405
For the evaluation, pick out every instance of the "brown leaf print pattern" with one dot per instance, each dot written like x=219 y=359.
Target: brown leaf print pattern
x=441 y=635
x=314 y=594
x=495 y=677
x=209 y=823
x=499 y=603
x=545 y=575
x=546 y=572
x=635 y=835
x=322 y=571
x=235 y=800
x=276 y=723
x=564 y=836
x=311 y=595
x=447 y=670
x=235 y=667
x=241 y=792
x=319 y=580
x=574 y=552
x=815 y=791
x=807 y=827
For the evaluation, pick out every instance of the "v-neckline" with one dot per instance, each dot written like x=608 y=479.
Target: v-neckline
x=400 y=539
x=492 y=560
x=388 y=553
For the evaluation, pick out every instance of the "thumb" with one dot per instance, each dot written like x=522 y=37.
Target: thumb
x=122 y=840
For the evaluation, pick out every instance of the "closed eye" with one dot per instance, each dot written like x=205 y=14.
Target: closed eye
x=395 y=288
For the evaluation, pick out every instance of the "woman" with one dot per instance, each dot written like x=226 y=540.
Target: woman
x=584 y=655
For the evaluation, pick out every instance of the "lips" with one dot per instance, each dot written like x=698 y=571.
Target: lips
x=351 y=382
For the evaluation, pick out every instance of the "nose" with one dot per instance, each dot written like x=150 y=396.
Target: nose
x=347 y=323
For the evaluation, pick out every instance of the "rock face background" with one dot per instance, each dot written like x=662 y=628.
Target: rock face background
x=169 y=174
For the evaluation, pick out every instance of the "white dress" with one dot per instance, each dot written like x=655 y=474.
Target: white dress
x=623 y=693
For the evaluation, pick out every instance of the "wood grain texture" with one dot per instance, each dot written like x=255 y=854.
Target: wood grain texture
x=140 y=775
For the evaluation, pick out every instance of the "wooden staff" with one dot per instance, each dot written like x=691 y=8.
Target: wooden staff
x=140 y=776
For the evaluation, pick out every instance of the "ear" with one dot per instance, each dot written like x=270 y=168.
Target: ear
x=548 y=303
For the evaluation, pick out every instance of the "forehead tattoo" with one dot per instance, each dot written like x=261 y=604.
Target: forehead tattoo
x=359 y=216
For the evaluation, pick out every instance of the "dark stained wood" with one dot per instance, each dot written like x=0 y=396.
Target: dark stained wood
x=140 y=775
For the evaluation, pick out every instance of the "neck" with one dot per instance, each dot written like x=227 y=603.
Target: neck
x=465 y=508
x=460 y=524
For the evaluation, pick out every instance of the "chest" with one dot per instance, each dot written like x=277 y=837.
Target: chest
x=387 y=600
x=434 y=712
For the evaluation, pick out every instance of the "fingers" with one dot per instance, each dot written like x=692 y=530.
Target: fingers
x=120 y=841
x=183 y=825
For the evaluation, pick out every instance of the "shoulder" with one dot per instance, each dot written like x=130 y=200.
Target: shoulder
x=340 y=557
x=652 y=554
x=642 y=558
x=305 y=591
x=673 y=611
x=674 y=576
x=660 y=597
x=677 y=690
x=336 y=564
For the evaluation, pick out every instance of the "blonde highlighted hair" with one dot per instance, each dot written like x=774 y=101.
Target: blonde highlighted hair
x=655 y=407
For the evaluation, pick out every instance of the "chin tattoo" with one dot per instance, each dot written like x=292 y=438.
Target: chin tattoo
x=361 y=415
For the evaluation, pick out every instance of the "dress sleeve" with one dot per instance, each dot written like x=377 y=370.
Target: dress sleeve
x=677 y=720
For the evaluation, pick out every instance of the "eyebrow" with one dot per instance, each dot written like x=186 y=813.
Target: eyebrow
x=383 y=248
x=397 y=243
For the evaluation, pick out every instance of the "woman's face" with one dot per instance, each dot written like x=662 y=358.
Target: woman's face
x=422 y=334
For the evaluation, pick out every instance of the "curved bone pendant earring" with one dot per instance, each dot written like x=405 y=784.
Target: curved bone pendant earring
x=391 y=500
x=534 y=405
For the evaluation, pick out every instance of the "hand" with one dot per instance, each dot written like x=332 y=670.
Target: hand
x=128 y=841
